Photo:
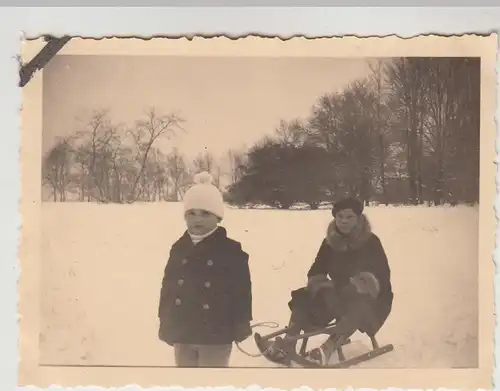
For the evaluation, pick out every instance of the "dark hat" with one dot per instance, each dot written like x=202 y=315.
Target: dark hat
x=348 y=203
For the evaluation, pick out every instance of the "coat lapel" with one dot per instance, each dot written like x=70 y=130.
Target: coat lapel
x=207 y=245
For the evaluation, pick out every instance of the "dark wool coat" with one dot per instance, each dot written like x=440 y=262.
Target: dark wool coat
x=341 y=258
x=206 y=291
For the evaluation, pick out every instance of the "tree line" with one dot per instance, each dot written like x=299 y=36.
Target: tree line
x=408 y=133
x=108 y=163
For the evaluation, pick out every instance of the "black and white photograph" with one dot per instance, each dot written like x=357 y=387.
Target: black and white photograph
x=325 y=209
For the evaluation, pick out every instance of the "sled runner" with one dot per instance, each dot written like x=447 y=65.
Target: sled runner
x=302 y=358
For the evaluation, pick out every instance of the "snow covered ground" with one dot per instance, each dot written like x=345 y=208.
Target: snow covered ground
x=102 y=267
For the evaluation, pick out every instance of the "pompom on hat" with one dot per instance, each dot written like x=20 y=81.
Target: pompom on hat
x=204 y=195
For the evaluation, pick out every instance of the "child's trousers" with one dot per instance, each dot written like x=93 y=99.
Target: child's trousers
x=202 y=355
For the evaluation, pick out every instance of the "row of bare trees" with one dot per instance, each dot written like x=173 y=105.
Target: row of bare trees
x=109 y=163
x=407 y=134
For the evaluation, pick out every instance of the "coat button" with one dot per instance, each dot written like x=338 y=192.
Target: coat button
x=210 y=262
x=206 y=306
x=180 y=282
x=184 y=261
x=208 y=284
x=178 y=301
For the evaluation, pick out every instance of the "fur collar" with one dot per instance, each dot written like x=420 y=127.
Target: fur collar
x=338 y=242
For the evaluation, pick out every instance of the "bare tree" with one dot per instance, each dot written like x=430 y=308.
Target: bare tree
x=56 y=169
x=405 y=83
x=157 y=174
x=145 y=134
x=217 y=176
x=204 y=162
x=178 y=173
x=236 y=162
x=381 y=120
x=291 y=133
x=95 y=147
x=444 y=99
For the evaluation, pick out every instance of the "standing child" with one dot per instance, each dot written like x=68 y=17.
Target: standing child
x=206 y=298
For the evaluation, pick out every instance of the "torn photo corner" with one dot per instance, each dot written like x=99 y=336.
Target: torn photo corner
x=173 y=189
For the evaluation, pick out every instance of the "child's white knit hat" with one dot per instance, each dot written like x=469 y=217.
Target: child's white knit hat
x=204 y=195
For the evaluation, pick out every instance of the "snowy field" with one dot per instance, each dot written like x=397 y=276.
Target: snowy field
x=102 y=267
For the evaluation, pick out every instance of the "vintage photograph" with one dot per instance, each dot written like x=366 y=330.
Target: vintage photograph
x=266 y=211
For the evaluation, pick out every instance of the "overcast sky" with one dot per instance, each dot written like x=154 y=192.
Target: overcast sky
x=226 y=102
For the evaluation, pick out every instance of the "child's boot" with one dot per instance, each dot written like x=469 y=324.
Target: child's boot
x=322 y=354
x=276 y=351
x=344 y=328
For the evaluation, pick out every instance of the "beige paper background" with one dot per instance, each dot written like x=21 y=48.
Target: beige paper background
x=30 y=207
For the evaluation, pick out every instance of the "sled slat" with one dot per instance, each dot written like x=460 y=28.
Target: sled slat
x=362 y=358
x=309 y=334
x=274 y=334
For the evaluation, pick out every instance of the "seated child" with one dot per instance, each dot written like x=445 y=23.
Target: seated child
x=206 y=298
x=358 y=295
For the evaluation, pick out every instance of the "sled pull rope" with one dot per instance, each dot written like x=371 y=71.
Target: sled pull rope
x=271 y=325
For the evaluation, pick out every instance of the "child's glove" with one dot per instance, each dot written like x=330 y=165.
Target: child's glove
x=366 y=283
x=315 y=283
x=242 y=331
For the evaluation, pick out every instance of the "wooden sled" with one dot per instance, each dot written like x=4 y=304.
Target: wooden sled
x=301 y=357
